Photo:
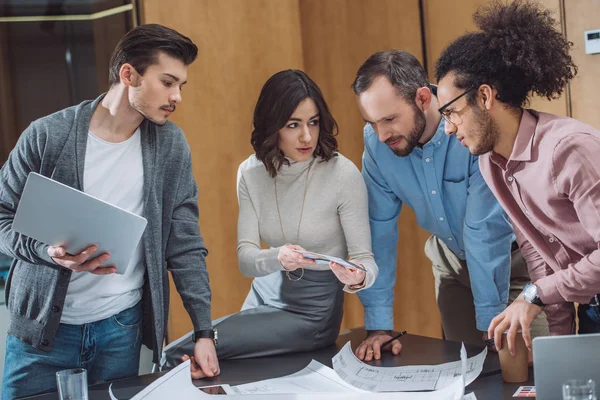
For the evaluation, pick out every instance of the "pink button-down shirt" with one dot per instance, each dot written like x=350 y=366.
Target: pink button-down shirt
x=550 y=189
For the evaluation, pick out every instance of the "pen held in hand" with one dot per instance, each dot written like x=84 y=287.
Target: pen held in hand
x=398 y=336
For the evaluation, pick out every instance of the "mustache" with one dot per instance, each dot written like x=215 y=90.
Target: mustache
x=394 y=139
x=168 y=107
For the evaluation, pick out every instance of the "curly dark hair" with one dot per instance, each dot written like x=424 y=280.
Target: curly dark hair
x=518 y=52
x=276 y=103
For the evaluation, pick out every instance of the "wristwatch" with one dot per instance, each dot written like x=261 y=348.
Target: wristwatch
x=530 y=294
x=206 y=334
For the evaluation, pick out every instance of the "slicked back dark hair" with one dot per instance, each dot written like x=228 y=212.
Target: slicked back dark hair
x=519 y=52
x=276 y=103
x=141 y=46
x=402 y=69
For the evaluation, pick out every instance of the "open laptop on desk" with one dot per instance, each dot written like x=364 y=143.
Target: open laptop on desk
x=556 y=359
x=59 y=215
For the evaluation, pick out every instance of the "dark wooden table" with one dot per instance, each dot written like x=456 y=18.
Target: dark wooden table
x=417 y=350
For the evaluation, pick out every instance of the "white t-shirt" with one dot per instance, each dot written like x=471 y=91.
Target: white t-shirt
x=113 y=172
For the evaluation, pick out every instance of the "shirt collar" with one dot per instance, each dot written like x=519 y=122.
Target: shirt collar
x=439 y=135
x=524 y=141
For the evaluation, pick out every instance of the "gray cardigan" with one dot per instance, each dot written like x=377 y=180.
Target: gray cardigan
x=54 y=146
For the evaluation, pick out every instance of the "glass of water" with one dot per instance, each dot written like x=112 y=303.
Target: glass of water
x=72 y=384
x=579 y=389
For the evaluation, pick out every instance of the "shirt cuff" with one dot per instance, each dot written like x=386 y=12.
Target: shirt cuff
x=556 y=288
x=355 y=288
x=201 y=323
x=42 y=252
x=368 y=281
x=485 y=315
x=548 y=291
x=269 y=261
x=379 y=318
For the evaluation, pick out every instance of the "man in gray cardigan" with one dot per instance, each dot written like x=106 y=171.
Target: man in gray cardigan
x=66 y=311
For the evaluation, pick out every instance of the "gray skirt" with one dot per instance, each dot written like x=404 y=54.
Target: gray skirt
x=278 y=316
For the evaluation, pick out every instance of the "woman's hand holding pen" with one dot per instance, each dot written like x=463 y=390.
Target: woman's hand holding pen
x=348 y=276
x=290 y=260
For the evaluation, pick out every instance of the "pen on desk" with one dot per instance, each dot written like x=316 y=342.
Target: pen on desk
x=398 y=336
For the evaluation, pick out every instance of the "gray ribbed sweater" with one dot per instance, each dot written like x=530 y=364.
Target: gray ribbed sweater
x=54 y=146
x=335 y=219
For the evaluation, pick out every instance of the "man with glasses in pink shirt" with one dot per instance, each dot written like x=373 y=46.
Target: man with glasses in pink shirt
x=542 y=168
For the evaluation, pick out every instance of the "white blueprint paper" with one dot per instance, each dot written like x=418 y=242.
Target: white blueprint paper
x=177 y=384
x=315 y=378
x=406 y=378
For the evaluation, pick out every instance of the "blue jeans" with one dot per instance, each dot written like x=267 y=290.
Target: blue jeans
x=109 y=349
x=589 y=318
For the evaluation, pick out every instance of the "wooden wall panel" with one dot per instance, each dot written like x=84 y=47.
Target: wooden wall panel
x=447 y=20
x=337 y=37
x=241 y=43
x=582 y=15
x=107 y=32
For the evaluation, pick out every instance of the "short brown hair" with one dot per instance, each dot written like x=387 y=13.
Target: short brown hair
x=276 y=103
x=401 y=68
x=141 y=46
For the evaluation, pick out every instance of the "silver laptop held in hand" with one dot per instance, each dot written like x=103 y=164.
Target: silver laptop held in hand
x=556 y=359
x=59 y=215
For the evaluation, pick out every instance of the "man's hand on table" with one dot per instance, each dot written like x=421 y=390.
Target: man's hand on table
x=204 y=362
x=370 y=348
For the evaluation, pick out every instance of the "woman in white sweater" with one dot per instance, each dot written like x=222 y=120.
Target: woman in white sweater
x=295 y=193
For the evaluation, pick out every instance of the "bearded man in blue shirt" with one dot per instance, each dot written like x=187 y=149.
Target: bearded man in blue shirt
x=409 y=160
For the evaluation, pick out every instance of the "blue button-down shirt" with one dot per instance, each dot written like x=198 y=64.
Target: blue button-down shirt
x=441 y=182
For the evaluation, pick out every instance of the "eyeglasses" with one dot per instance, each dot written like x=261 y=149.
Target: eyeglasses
x=451 y=116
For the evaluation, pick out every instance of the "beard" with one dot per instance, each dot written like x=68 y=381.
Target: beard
x=487 y=132
x=142 y=109
x=412 y=138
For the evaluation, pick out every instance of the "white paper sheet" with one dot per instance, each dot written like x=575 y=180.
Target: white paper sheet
x=315 y=378
x=177 y=384
x=407 y=378
x=319 y=382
